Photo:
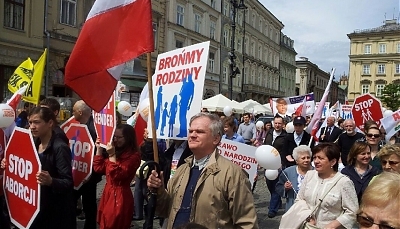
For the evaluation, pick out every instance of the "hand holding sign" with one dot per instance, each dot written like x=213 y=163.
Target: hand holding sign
x=268 y=157
x=44 y=178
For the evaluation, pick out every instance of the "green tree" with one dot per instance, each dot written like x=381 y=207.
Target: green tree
x=391 y=96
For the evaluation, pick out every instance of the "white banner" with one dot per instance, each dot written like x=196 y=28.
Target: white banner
x=345 y=111
x=288 y=106
x=178 y=84
x=325 y=111
x=240 y=154
x=391 y=124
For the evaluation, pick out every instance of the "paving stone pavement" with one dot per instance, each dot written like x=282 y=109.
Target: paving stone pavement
x=261 y=201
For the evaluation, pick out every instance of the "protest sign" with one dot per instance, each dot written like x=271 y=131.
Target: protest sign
x=178 y=84
x=288 y=106
x=366 y=107
x=391 y=124
x=104 y=122
x=345 y=111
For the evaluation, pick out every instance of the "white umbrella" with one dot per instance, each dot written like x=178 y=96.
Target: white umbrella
x=218 y=102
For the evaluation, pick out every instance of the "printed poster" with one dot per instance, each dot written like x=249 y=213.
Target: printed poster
x=288 y=105
x=178 y=84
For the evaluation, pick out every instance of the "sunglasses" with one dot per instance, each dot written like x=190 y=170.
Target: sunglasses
x=391 y=163
x=373 y=135
x=367 y=222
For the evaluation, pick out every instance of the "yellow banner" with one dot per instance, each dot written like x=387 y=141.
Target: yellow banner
x=27 y=74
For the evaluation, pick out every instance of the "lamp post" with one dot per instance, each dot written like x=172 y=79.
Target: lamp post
x=234 y=70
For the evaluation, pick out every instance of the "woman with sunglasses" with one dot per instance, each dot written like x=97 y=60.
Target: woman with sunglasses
x=116 y=203
x=389 y=157
x=358 y=168
x=373 y=137
x=380 y=203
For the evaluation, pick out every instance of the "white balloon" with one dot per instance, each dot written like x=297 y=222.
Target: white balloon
x=228 y=111
x=125 y=108
x=144 y=108
x=7 y=115
x=387 y=113
x=259 y=124
x=268 y=157
x=271 y=174
x=383 y=109
x=289 y=127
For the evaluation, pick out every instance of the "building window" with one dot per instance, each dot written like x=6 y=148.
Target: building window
x=239 y=45
x=367 y=49
x=212 y=29
x=398 y=47
x=246 y=79
x=211 y=60
x=68 y=12
x=197 y=23
x=224 y=74
x=213 y=3
x=397 y=71
x=252 y=48
x=245 y=45
x=382 y=48
x=155 y=34
x=253 y=20
x=178 y=44
x=259 y=52
x=253 y=72
x=366 y=69
x=226 y=9
x=240 y=20
x=180 y=15
x=260 y=23
x=381 y=68
x=364 y=88
x=225 y=40
x=14 y=11
x=379 y=89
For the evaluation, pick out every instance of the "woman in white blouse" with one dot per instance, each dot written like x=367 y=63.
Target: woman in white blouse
x=339 y=207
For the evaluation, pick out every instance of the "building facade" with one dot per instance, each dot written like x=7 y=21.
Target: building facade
x=374 y=59
x=192 y=22
x=28 y=28
x=310 y=78
x=287 y=66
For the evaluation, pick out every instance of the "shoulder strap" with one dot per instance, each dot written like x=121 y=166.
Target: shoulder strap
x=326 y=193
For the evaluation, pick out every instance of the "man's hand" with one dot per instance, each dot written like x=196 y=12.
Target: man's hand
x=3 y=163
x=155 y=181
x=323 y=136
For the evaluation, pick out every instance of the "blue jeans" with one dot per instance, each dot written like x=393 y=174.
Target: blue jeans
x=276 y=200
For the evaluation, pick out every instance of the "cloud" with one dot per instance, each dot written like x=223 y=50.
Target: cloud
x=320 y=28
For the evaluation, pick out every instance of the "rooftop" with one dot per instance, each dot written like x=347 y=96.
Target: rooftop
x=390 y=25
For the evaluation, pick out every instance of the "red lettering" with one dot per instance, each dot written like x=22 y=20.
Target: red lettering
x=161 y=64
x=396 y=116
x=158 y=80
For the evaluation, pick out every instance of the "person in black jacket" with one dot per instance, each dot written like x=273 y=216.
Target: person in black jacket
x=57 y=209
x=292 y=140
x=358 y=169
x=276 y=138
x=330 y=133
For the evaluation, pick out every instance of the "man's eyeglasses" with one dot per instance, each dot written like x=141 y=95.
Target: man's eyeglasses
x=391 y=163
x=373 y=135
x=367 y=222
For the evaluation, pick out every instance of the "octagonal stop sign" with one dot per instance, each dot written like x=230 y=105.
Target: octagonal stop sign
x=366 y=107
x=82 y=149
x=104 y=122
x=21 y=189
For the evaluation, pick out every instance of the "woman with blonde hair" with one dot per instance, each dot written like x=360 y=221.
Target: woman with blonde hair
x=389 y=156
x=358 y=168
x=380 y=203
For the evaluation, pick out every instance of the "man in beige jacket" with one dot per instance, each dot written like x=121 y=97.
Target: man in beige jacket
x=208 y=189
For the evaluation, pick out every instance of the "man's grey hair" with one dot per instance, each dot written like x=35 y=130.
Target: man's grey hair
x=82 y=106
x=301 y=149
x=216 y=126
x=350 y=121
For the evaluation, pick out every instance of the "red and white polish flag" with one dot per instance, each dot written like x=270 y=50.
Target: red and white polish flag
x=114 y=32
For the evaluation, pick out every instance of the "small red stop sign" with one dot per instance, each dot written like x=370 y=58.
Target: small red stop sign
x=366 y=107
x=21 y=189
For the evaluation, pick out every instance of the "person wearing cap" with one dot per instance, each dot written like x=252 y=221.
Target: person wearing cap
x=292 y=140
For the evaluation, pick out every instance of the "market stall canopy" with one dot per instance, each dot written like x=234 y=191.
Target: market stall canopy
x=218 y=102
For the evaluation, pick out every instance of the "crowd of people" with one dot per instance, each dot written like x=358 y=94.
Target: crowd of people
x=348 y=178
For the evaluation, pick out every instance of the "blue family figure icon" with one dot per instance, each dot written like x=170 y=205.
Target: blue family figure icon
x=173 y=110
x=164 y=118
x=157 y=114
x=186 y=94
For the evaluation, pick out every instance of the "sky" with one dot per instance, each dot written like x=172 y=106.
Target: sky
x=319 y=28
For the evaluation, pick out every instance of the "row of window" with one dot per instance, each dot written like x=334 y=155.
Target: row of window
x=382 y=48
x=381 y=69
x=365 y=88
x=14 y=13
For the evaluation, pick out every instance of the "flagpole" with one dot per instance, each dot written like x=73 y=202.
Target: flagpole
x=151 y=99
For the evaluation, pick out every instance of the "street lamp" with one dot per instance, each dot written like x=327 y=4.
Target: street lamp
x=234 y=70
